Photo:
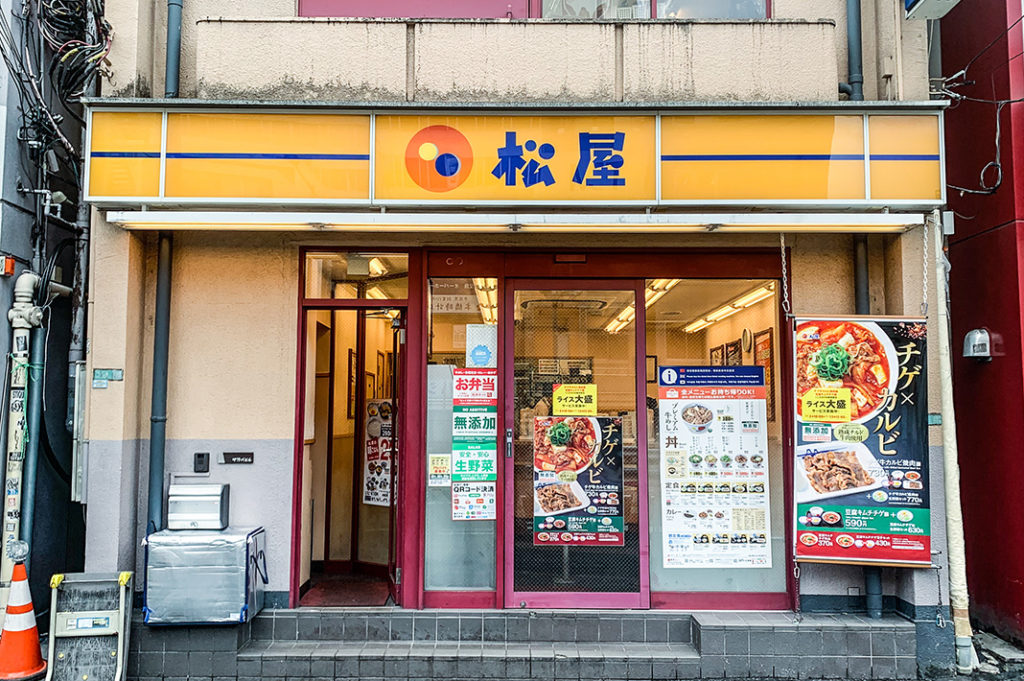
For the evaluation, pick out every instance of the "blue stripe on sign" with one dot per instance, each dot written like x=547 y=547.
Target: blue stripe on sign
x=125 y=154
x=215 y=155
x=277 y=157
x=762 y=157
x=904 y=157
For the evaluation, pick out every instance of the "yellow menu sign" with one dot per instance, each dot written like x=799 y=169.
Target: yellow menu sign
x=570 y=399
x=826 y=405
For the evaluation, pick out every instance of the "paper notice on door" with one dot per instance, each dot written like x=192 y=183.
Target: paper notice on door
x=440 y=474
x=473 y=501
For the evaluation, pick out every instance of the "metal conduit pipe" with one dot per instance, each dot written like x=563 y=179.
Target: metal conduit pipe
x=162 y=321
x=854 y=88
x=33 y=427
x=158 y=414
x=171 y=66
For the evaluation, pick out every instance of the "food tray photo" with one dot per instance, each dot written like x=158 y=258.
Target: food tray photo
x=831 y=462
x=573 y=487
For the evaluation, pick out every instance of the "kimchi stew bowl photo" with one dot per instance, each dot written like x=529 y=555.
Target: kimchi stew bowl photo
x=835 y=470
x=857 y=356
x=565 y=443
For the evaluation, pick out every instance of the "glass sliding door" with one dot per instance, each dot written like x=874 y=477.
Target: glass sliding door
x=574 y=519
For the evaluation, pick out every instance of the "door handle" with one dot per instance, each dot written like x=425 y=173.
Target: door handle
x=508 y=442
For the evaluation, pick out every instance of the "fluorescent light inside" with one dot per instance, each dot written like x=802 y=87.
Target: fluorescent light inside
x=487 y=298
x=377 y=267
x=694 y=327
x=722 y=313
x=755 y=296
x=744 y=301
x=376 y=293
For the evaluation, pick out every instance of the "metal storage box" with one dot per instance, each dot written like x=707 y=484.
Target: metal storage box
x=204 y=576
x=197 y=507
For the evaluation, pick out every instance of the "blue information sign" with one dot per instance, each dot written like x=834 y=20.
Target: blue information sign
x=718 y=376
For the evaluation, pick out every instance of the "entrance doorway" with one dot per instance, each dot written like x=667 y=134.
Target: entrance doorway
x=353 y=419
x=576 y=476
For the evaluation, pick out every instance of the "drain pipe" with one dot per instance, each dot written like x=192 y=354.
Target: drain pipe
x=855 y=89
x=171 y=67
x=162 y=321
x=959 y=600
x=158 y=414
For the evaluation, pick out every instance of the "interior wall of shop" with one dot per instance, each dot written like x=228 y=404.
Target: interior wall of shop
x=233 y=363
x=395 y=60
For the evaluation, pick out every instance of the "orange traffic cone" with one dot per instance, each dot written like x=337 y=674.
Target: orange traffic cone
x=20 y=656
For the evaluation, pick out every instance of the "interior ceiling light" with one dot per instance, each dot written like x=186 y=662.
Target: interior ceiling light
x=740 y=303
x=376 y=293
x=377 y=267
x=655 y=291
x=487 y=298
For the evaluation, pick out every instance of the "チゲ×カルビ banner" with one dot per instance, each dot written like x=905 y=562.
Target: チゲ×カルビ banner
x=861 y=469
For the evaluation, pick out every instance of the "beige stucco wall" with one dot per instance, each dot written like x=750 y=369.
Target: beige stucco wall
x=260 y=50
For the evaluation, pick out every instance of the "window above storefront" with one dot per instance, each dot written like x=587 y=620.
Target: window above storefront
x=534 y=9
x=350 y=275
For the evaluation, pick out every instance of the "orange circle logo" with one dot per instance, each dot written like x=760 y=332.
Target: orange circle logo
x=439 y=158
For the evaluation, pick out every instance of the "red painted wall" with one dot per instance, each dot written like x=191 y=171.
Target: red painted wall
x=986 y=291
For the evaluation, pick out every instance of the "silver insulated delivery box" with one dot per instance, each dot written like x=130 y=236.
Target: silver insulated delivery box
x=204 y=576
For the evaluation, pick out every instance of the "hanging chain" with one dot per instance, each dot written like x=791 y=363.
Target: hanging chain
x=785 y=275
x=924 y=268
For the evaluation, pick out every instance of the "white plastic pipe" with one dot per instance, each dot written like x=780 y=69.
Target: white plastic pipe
x=959 y=598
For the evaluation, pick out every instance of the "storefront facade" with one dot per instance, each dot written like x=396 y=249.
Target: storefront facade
x=431 y=344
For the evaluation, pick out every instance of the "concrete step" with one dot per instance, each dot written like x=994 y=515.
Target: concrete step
x=422 y=660
x=473 y=626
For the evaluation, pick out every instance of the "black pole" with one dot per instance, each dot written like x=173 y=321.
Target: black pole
x=158 y=413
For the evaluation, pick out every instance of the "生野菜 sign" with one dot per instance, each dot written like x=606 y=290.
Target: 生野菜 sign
x=861 y=470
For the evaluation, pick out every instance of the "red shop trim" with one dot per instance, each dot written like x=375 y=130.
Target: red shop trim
x=477 y=600
x=719 y=600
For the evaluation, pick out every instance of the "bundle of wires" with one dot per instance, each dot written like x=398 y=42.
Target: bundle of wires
x=77 y=60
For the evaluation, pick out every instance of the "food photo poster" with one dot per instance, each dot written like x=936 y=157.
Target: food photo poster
x=577 y=481
x=861 y=470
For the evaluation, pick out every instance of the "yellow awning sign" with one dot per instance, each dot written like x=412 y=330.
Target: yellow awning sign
x=574 y=399
x=824 y=158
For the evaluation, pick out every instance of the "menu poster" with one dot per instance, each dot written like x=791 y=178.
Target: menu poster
x=474 y=425
x=473 y=501
x=714 y=467
x=861 y=470
x=577 y=481
x=377 y=453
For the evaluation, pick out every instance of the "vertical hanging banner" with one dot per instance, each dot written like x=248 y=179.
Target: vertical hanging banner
x=714 y=467
x=379 y=438
x=861 y=470
x=577 y=481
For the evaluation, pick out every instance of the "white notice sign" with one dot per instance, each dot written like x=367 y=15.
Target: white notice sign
x=714 y=467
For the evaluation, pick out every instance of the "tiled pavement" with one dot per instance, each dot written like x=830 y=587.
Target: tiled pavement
x=383 y=643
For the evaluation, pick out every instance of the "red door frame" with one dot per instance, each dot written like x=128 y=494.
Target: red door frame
x=409 y=592
x=684 y=263
x=642 y=598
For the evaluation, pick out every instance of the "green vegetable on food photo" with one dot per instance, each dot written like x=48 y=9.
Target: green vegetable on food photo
x=831 y=362
x=560 y=434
